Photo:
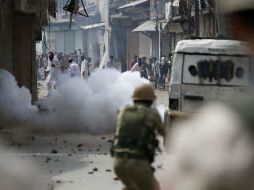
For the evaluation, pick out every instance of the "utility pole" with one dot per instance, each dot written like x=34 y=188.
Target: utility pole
x=106 y=13
x=107 y=30
x=159 y=30
x=189 y=17
x=197 y=27
x=218 y=19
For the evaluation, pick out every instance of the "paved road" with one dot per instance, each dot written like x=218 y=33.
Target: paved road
x=75 y=161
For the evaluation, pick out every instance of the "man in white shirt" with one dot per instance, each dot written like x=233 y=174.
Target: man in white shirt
x=85 y=67
x=74 y=68
x=53 y=70
x=137 y=66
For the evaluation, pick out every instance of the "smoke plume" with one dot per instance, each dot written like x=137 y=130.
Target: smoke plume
x=17 y=174
x=76 y=104
x=212 y=151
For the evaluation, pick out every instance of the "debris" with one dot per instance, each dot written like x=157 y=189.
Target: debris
x=103 y=138
x=90 y=172
x=65 y=141
x=19 y=145
x=95 y=169
x=30 y=138
x=56 y=139
x=116 y=178
x=91 y=162
x=105 y=153
x=160 y=166
x=80 y=149
x=79 y=145
x=58 y=181
x=15 y=144
x=54 y=151
x=69 y=154
x=60 y=171
x=110 y=141
x=48 y=158
x=108 y=170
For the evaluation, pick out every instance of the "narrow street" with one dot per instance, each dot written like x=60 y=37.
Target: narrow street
x=73 y=161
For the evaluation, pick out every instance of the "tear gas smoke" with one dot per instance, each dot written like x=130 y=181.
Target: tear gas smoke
x=212 y=151
x=76 y=103
x=17 y=174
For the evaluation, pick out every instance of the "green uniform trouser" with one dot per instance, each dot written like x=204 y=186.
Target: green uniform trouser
x=135 y=174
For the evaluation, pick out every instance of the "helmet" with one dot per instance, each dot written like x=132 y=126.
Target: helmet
x=230 y=6
x=144 y=92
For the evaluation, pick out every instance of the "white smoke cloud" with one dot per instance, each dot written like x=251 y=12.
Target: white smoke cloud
x=15 y=102
x=212 y=151
x=75 y=104
x=17 y=174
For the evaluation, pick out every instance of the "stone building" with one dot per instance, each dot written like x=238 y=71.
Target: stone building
x=20 y=27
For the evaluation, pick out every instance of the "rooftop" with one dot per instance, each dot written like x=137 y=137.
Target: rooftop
x=212 y=46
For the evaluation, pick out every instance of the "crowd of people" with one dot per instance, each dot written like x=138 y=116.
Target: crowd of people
x=155 y=70
x=50 y=65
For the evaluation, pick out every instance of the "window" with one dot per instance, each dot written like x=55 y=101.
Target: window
x=216 y=70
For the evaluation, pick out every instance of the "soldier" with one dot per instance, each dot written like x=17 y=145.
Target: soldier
x=135 y=141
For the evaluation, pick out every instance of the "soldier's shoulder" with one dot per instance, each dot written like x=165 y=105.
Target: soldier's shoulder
x=155 y=112
x=128 y=107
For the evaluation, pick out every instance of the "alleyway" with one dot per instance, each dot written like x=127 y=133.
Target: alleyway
x=73 y=161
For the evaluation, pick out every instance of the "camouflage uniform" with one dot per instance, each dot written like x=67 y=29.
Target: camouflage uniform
x=134 y=147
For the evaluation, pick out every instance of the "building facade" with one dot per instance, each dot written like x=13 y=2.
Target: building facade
x=191 y=19
x=20 y=29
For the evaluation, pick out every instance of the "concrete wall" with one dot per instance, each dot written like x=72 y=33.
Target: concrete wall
x=17 y=47
x=66 y=40
x=78 y=39
x=25 y=64
x=145 y=45
x=60 y=41
x=132 y=46
x=155 y=41
x=7 y=39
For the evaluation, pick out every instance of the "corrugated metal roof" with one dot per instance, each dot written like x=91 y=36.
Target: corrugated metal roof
x=132 y=4
x=93 y=26
x=147 y=26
